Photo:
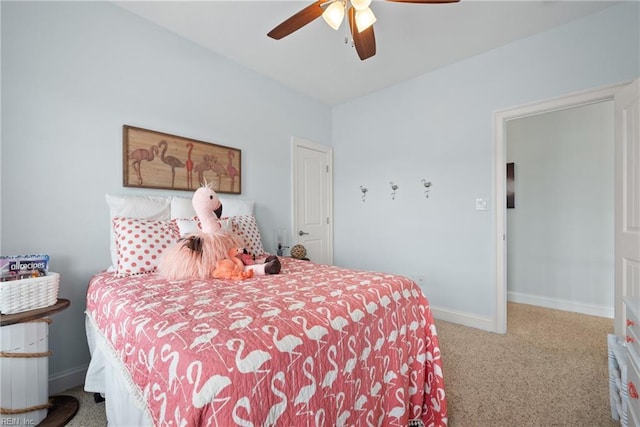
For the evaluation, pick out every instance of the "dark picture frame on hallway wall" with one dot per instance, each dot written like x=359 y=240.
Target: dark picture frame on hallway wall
x=153 y=159
x=511 y=186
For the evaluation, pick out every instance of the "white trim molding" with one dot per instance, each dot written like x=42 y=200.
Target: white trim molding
x=561 y=304
x=465 y=319
x=67 y=379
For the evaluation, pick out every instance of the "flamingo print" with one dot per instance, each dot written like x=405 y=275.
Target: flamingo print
x=331 y=375
x=269 y=310
x=276 y=410
x=189 y=165
x=231 y=170
x=242 y=322
x=351 y=363
x=380 y=341
x=287 y=344
x=315 y=332
x=172 y=161
x=398 y=411
x=206 y=394
x=367 y=350
x=160 y=396
x=245 y=403
x=344 y=416
x=371 y=306
x=204 y=338
x=140 y=154
x=218 y=169
x=306 y=392
x=375 y=389
x=360 y=403
x=356 y=315
x=173 y=367
x=251 y=362
x=393 y=336
x=384 y=300
x=202 y=167
x=338 y=323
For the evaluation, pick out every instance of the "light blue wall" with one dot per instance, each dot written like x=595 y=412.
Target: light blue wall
x=72 y=74
x=439 y=126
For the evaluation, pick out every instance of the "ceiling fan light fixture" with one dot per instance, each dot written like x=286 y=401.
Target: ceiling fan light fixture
x=364 y=19
x=333 y=15
x=360 y=4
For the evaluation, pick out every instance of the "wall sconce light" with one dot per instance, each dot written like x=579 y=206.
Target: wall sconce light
x=394 y=187
x=426 y=184
x=364 y=192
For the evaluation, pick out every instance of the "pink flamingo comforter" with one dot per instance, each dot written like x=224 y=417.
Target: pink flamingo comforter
x=315 y=345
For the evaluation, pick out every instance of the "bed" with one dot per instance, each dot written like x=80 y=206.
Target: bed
x=315 y=345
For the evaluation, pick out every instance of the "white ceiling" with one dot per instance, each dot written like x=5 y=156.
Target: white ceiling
x=411 y=39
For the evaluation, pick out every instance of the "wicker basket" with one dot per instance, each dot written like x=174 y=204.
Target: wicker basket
x=17 y=296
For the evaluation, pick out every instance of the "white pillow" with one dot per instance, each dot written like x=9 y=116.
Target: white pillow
x=181 y=207
x=192 y=225
x=188 y=226
x=145 y=207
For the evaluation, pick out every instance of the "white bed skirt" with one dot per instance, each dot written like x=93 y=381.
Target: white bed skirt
x=106 y=376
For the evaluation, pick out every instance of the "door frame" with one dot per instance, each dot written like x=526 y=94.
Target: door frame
x=501 y=118
x=296 y=144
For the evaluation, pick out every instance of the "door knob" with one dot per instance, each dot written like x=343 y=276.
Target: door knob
x=301 y=233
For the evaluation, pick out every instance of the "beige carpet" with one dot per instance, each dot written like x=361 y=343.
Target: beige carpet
x=550 y=369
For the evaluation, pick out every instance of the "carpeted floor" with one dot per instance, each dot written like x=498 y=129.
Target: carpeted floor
x=550 y=369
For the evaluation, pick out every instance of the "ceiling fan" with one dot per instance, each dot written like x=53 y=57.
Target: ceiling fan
x=359 y=15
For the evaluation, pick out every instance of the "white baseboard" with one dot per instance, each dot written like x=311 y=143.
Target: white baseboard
x=465 y=319
x=560 y=304
x=67 y=379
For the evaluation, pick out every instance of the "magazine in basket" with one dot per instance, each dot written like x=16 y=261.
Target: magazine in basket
x=26 y=283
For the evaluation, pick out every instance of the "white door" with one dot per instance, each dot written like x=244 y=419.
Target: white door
x=627 y=200
x=313 y=199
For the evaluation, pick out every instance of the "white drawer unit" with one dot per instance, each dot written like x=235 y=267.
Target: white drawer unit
x=632 y=345
x=618 y=368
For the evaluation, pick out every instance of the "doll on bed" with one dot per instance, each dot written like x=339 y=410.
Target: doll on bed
x=196 y=255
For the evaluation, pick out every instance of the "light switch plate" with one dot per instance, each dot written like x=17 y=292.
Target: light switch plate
x=481 y=205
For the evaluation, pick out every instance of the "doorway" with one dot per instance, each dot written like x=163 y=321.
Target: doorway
x=502 y=118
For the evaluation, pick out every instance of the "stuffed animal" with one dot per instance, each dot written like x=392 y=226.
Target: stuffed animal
x=196 y=255
x=232 y=267
x=246 y=257
x=265 y=265
x=269 y=265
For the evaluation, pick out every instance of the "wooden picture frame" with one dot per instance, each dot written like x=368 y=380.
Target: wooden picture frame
x=154 y=159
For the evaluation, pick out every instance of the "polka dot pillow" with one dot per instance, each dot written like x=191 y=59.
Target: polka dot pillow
x=140 y=242
x=245 y=227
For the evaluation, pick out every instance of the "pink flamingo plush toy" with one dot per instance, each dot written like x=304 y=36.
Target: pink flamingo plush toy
x=196 y=255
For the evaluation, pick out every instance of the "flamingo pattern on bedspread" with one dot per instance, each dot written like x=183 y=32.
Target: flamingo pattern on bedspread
x=315 y=345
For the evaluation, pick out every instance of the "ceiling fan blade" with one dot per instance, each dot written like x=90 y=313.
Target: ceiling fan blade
x=425 y=1
x=297 y=21
x=365 y=41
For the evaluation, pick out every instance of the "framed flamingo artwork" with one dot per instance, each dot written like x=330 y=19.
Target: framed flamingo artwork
x=154 y=159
